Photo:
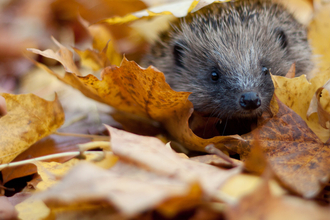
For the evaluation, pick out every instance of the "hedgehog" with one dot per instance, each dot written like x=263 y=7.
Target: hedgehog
x=224 y=54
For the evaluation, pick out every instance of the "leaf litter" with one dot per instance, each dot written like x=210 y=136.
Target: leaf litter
x=145 y=175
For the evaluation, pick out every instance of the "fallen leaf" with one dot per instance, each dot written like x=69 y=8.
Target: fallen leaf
x=241 y=185
x=316 y=106
x=151 y=152
x=292 y=71
x=318 y=35
x=297 y=93
x=51 y=172
x=24 y=124
x=130 y=195
x=148 y=175
x=256 y=161
x=7 y=210
x=178 y=9
x=104 y=50
x=295 y=154
x=262 y=204
x=64 y=56
x=214 y=160
x=32 y=209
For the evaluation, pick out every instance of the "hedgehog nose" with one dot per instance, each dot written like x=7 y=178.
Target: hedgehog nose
x=250 y=101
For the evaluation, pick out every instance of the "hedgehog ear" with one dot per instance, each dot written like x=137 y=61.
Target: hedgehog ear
x=281 y=37
x=178 y=54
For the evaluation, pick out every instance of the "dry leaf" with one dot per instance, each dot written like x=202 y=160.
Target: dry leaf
x=318 y=34
x=316 y=106
x=297 y=93
x=51 y=172
x=29 y=119
x=178 y=9
x=261 y=204
x=129 y=195
x=148 y=176
x=104 y=52
x=152 y=153
x=7 y=210
x=296 y=155
x=32 y=209
x=243 y=184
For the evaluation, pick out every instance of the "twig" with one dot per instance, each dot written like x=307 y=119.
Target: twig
x=212 y=150
x=52 y=156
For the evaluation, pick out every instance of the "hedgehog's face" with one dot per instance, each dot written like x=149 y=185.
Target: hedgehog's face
x=230 y=78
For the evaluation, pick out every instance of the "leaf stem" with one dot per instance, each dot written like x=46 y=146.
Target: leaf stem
x=47 y=157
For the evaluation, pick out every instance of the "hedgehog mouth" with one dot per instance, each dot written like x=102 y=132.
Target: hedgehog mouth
x=249 y=113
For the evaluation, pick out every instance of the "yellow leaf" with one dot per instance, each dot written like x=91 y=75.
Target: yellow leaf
x=178 y=9
x=50 y=172
x=29 y=119
x=32 y=209
x=297 y=94
x=319 y=32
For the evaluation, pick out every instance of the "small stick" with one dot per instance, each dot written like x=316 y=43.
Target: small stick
x=212 y=150
x=47 y=157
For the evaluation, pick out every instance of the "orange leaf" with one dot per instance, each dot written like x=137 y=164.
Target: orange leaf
x=296 y=155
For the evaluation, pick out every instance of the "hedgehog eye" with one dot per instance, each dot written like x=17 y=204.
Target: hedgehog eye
x=281 y=37
x=178 y=54
x=214 y=76
x=265 y=70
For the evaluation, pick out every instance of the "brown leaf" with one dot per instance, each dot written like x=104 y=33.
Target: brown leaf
x=29 y=119
x=297 y=94
x=149 y=175
x=296 y=155
x=256 y=160
x=261 y=204
x=64 y=56
x=3 y=107
x=214 y=160
x=150 y=152
x=118 y=187
x=292 y=71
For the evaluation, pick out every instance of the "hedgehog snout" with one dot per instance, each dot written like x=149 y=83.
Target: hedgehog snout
x=250 y=101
